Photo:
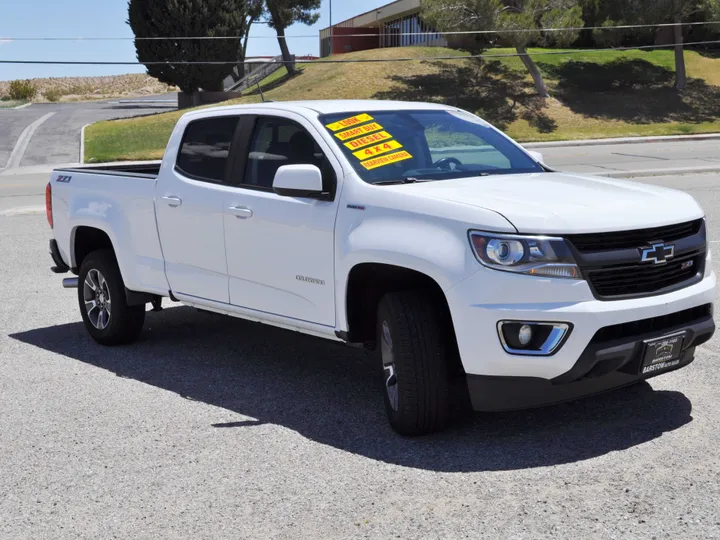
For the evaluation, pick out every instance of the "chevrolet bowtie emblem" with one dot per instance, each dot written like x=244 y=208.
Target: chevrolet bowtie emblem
x=657 y=253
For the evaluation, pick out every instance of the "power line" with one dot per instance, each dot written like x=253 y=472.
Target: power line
x=365 y=61
x=315 y=36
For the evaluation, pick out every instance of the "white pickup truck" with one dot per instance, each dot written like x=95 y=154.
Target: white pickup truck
x=415 y=229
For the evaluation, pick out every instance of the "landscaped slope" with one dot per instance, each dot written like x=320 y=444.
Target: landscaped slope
x=595 y=94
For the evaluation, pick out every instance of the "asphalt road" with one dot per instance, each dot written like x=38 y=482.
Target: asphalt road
x=631 y=158
x=57 y=139
x=211 y=427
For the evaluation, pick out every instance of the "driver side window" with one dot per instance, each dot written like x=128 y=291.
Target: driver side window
x=277 y=142
x=466 y=147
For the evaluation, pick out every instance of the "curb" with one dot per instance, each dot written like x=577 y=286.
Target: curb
x=624 y=140
x=22 y=106
x=82 y=143
x=654 y=172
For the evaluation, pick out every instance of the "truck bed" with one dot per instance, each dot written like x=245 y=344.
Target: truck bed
x=141 y=170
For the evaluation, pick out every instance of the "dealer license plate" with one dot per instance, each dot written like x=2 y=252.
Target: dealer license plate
x=662 y=353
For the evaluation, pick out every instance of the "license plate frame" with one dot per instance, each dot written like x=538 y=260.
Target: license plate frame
x=663 y=353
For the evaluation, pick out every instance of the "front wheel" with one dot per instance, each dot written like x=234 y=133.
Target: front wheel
x=411 y=341
x=101 y=295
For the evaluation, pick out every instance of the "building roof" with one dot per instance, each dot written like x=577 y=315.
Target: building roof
x=375 y=17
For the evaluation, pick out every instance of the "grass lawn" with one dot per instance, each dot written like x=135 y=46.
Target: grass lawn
x=594 y=95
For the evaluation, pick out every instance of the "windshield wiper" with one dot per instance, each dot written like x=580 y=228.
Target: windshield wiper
x=409 y=180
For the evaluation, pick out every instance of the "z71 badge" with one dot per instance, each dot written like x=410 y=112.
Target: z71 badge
x=64 y=179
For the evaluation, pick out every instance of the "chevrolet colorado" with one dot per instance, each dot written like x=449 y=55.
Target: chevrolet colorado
x=418 y=230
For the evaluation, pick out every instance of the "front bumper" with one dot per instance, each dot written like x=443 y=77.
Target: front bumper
x=488 y=296
x=610 y=360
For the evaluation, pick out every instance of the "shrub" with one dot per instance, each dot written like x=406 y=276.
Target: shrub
x=53 y=94
x=22 y=90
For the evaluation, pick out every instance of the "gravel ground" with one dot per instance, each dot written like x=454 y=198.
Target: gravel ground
x=218 y=428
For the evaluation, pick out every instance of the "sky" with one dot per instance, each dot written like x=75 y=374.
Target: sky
x=106 y=18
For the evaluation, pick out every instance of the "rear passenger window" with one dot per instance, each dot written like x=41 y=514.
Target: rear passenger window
x=205 y=148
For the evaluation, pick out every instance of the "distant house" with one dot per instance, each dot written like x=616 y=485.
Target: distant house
x=386 y=26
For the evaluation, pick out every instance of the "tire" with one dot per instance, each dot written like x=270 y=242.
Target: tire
x=120 y=323
x=411 y=341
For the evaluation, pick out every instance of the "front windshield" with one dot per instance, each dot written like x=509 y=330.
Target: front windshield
x=421 y=145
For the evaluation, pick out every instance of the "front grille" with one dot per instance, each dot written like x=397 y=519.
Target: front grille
x=589 y=243
x=643 y=280
x=653 y=325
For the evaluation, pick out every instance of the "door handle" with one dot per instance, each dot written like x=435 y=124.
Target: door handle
x=173 y=201
x=241 y=212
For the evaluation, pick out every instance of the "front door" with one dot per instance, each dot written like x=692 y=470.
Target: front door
x=280 y=250
x=190 y=205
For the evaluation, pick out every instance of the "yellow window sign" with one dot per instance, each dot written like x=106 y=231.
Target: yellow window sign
x=376 y=150
x=382 y=161
x=362 y=142
x=358 y=131
x=349 y=122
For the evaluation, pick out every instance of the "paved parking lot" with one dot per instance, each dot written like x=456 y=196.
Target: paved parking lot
x=218 y=428
x=57 y=139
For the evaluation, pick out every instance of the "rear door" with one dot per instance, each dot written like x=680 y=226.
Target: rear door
x=190 y=206
x=280 y=250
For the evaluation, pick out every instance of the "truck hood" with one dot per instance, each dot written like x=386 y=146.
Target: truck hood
x=561 y=203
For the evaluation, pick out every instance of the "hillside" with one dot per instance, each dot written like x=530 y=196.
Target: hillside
x=87 y=88
x=595 y=95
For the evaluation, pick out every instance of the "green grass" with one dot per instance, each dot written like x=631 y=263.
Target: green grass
x=594 y=95
x=273 y=80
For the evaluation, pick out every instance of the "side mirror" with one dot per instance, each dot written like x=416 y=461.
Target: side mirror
x=299 y=181
x=537 y=156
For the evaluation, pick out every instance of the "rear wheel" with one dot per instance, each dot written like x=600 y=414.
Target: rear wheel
x=103 y=306
x=411 y=340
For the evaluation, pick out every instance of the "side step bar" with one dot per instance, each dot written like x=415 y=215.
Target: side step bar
x=70 y=283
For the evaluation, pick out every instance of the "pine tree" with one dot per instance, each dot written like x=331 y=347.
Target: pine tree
x=506 y=17
x=188 y=18
x=284 y=13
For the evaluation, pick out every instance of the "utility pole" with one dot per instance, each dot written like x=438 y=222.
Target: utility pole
x=331 y=30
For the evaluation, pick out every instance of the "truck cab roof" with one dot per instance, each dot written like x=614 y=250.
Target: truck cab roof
x=328 y=106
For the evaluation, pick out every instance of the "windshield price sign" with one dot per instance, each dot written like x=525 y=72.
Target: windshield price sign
x=349 y=122
x=376 y=150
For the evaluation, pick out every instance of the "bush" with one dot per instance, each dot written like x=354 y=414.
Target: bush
x=53 y=94
x=22 y=90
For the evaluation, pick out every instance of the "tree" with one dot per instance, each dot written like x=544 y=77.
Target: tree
x=506 y=17
x=188 y=18
x=677 y=12
x=284 y=13
x=254 y=10
x=674 y=12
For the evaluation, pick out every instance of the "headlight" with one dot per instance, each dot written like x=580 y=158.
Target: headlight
x=534 y=255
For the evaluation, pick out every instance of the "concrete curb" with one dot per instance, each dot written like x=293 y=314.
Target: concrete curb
x=82 y=143
x=22 y=106
x=655 y=172
x=624 y=140
x=18 y=151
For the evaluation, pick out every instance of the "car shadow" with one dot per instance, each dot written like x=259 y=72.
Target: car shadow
x=330 y=393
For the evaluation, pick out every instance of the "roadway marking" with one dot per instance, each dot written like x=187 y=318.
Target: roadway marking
x=24 y=140
x=23 y=211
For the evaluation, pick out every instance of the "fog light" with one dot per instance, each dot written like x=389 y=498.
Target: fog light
x=525 y=334
x=532 y=338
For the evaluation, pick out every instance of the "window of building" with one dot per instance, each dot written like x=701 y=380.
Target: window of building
x=205 y=148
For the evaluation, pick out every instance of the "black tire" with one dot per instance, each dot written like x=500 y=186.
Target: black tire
x=409 y=325
x=123 y=323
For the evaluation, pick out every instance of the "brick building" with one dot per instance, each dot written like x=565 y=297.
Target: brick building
x=381 y=27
